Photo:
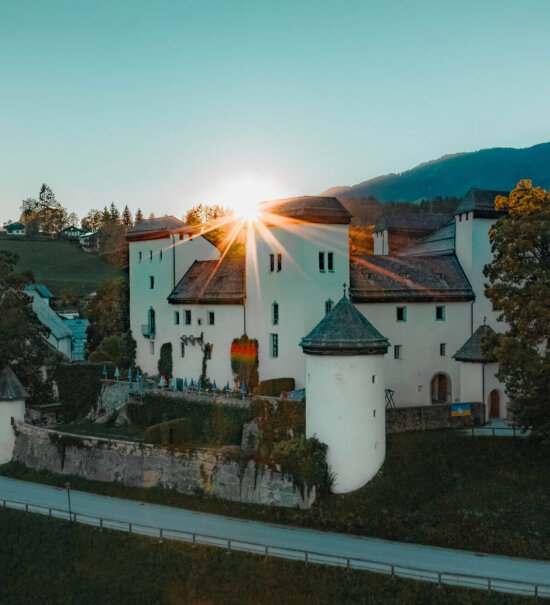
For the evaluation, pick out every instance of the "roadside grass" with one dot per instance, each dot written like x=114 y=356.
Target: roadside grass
x=49 y=561
x=439 y=488
x=61 y=266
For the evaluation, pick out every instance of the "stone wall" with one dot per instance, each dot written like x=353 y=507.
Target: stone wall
x=143 y=465
x=425 y=417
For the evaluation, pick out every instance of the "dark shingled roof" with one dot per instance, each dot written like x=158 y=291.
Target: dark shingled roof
x=441 y=241
x=381 y=278
x=406 y=221
x=212 y=282
x=312 y=209
x=481 y=202
x=156 y=228
x=10 y=387
x=344 y=331
x=472 y=350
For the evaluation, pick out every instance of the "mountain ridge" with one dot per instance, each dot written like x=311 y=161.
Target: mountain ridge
x=454 y=174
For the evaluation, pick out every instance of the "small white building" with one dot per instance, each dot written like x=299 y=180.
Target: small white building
x=12 y=408
x=15 y=229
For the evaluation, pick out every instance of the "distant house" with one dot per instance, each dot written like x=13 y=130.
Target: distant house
x=72 y=232
x=15 y=229
x=41 y=290
x=78 y=327
x=89 y=241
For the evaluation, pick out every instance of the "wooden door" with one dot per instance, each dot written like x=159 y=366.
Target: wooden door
x=494 y=404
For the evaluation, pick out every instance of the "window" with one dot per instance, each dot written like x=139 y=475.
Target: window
x=321 y=261
x=182 y=349
x=440 y=313
x=397 y=352
x=328 y=306
x=271 y=263
x=275 y=313
x=152 y=321
x=151 y=281
x=160 y=256
x=373 y=379
x=330 y=261
x=401 y=313
x=279 y=262
x=460 y=218
x=140 y=255
x=211 y=318
x=187 y=318
x=152 y=347
x=199 y=321
x=274 y=345
x=150 y=255
x=176 y=317
x=442 y=349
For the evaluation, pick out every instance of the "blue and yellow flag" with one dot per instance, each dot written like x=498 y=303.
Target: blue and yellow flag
x=460 y=409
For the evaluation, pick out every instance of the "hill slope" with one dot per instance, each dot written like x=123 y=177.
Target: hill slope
x=63 y=267
x=452 y=175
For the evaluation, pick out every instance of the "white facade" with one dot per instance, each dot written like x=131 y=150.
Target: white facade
x=8 y=410
x=346 y=410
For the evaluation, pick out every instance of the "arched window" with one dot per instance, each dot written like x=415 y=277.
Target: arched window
x=151 y=321
x=441 y=389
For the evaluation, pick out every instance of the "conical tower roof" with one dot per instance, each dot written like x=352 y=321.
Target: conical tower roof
x=472 y=349
x=344 y=331
x=10 y=387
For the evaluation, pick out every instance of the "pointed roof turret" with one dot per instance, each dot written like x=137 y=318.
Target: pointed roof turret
x=344 y=331
x=472 y=349
x=10 y=387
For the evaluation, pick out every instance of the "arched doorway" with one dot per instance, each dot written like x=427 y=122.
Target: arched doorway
x=441 y=389
x=494 y=404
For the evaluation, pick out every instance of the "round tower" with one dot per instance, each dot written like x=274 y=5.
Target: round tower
x=12 y=405
x=345 y=403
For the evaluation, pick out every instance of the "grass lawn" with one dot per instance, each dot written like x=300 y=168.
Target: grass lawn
x=63 y=267
x=439 y=487
x=52 y=562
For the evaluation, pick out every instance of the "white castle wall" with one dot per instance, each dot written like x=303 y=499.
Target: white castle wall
x=300 y=289
x=346 y=410
x=9 y=409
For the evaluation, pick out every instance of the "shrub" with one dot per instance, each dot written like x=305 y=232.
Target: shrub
x=275 y=386
x=244 y=361
x=278 y=421
x=165 y=365
x=178 y=431
x=79 y=387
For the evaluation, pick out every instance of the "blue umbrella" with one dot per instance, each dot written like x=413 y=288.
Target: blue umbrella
x=227 y=387
x=173 y=383
x=117 y=373
x=243 y=388
x=105 y=369
x=130 y=374
x=138 y=377
x=214 y=386
x=199 y=384
x=185 y=383
x=192 y=382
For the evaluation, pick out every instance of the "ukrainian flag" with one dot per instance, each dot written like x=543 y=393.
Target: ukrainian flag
x=460 y=409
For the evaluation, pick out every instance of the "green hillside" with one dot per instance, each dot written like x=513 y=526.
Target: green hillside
x=453 y=175
x=62 y=266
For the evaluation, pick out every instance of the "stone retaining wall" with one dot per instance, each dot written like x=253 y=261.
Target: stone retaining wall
x=143 y=465
x=426 y=417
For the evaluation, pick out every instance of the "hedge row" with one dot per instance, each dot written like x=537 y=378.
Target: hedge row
x=209 y=422
x=275 y=386
x=277 y=422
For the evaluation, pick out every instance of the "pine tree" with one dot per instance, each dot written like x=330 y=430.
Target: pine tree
x=139 y=216
x=127 y=218
x=115 y=214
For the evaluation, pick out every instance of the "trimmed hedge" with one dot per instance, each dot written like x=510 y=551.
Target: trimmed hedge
x=209 y=422
x=275 y=386
x=177 y=431
x=79 y=387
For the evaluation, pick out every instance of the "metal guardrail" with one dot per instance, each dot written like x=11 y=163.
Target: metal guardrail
x=305 y=556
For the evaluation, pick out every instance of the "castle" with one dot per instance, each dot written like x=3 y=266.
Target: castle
x=422 y=290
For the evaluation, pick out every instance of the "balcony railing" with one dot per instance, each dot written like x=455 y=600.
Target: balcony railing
x=147 y=332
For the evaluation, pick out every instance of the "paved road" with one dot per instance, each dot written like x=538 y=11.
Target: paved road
x=382 y=551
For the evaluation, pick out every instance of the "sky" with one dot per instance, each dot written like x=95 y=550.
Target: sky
x=169 y=103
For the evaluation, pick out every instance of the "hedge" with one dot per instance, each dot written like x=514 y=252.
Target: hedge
x=278 y=421
x=275 y=386
x=79 y=388
x=177 y=431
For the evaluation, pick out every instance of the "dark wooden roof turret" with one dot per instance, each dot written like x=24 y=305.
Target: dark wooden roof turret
x=472 y=349
x=344 y=331
x=481 y=202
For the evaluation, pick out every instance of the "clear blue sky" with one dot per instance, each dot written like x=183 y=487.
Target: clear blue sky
x=164 y=104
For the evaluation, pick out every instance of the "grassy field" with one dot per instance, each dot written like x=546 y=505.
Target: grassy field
x=440 y=488
x=52 y=562
x=63 y=267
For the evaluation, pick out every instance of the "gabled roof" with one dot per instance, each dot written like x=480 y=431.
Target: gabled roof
x=72 y=228
x=381 y=278
x=481 y=202
x=10 y=387
x=40 y=288
x=312 y=209
x=441 y=241
x=48 y=316
x=78 y=327
x=472 y=349
x=344 y=331
x=418 y=223
x=157 y=228
x=14 y=227
x=215 y=282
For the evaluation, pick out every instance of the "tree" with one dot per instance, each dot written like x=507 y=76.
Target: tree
x=108 y=312
x=165 y=364
x=114 y=213
x=92 y=221
x=519 y=287
x=127 y=218
x=119 y=349
x=139 y=216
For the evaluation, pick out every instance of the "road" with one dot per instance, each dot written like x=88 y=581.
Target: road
x=430 y=559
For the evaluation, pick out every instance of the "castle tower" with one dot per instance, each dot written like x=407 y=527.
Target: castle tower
x=345 y=403
x=12 y=405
